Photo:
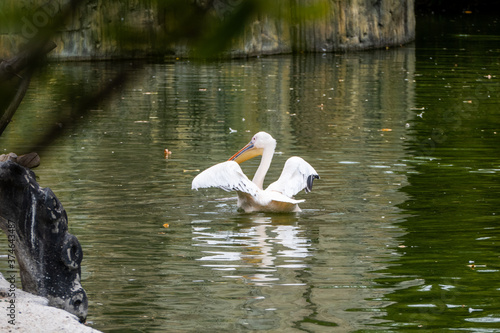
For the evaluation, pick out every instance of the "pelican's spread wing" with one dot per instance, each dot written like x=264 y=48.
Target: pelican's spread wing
x=297 y=175
x=227 y=176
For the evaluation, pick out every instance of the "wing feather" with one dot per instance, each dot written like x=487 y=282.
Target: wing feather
x=227 y=176
x=296 y=176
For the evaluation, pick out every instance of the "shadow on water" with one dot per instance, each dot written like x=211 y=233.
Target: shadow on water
x=448 y=268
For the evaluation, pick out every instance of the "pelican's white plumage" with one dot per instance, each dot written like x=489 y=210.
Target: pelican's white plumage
x=297 y=175
x=227 y=176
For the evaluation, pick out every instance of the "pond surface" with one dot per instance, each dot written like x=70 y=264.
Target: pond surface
x=400 y=232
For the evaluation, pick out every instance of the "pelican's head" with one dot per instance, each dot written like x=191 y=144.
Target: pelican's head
x=260 y=142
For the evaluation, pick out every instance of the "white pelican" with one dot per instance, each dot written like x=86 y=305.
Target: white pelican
x=297 y=175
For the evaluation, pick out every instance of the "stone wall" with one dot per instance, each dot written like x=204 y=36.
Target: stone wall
x=341 y=26
x=289 y=26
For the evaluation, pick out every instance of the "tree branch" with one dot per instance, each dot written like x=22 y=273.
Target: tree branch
x=26 y=62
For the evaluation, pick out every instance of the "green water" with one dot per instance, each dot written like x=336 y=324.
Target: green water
x=398 y=234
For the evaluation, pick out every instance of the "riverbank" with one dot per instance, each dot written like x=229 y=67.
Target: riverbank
x=26 y=312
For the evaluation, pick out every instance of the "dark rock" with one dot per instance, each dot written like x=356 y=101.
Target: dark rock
x=49 y=257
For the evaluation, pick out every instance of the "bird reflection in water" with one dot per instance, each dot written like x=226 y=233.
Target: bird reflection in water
x=255 y=253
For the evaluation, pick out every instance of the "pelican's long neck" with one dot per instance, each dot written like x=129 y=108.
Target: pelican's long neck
x=265 y=162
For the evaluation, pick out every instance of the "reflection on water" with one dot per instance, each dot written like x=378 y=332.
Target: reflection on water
x=447 y=274
x=261 y=249
x=400 y=231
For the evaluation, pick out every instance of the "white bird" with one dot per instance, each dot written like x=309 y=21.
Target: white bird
x=297 y=175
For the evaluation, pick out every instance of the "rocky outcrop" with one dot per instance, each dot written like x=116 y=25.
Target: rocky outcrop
x=148 y=28
x=36 y=226
x=332 y=26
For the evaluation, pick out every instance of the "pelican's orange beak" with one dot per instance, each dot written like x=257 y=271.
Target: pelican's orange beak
x=246 y=153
